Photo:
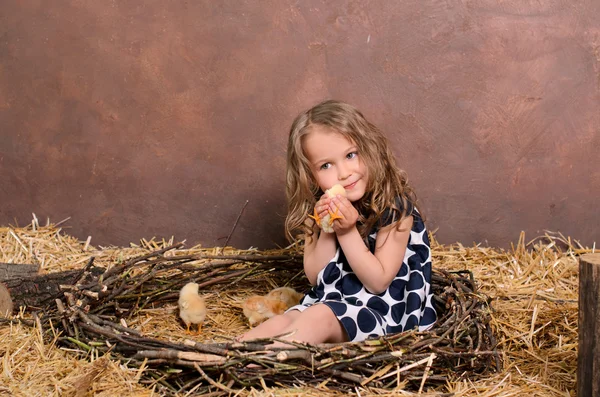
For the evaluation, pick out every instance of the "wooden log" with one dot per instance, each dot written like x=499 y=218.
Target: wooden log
x=38 y=291
x=17 y=270
x=9 y=271
x=6 y=303
x=588 y=359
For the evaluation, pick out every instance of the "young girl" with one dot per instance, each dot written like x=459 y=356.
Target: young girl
x=372 y=276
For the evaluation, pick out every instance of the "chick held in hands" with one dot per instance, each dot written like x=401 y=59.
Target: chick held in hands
x=326 y=222
x=192 y=307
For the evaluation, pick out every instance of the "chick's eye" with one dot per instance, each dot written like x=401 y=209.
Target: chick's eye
x=325 y=166
x=351 y=155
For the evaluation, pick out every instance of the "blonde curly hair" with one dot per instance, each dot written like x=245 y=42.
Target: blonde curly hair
x=387 y=186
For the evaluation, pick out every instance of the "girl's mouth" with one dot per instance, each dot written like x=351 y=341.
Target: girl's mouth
x=350 y=186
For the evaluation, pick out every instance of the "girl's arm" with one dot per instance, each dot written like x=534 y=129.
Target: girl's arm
x=375 y=271
x=319 y=248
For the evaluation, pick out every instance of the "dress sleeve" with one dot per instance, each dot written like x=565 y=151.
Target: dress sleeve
x=390 y=215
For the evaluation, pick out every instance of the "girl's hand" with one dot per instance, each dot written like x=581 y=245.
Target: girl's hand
x=349 y=214
x=321 y=207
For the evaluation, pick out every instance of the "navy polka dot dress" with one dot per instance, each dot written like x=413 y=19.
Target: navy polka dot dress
x=405 y=305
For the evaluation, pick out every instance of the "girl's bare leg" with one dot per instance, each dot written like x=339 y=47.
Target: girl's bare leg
x=272 y=327
x=316 y=324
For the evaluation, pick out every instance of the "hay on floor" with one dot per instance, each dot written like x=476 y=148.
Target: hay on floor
x=533 y=286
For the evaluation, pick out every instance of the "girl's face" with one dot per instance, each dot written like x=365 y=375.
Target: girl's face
x=335 y=159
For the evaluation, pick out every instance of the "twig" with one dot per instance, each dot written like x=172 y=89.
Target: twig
x=234 y=226
x=78 y=278
x=426 y=372
x=212 y=382
x=406 y=368
x=252 y=258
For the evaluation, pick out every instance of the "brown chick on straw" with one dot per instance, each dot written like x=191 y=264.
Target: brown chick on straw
x=192 y=308
x=260 y=308
x=287 y=295
x=326 y=223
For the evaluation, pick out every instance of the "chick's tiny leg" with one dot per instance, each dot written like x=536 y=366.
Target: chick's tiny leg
x=199 y=331
x=333 y=216
x=316 y=217
x=187 y=329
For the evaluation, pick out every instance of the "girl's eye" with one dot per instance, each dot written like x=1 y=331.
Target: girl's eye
x=325 y=166
x=351 y=155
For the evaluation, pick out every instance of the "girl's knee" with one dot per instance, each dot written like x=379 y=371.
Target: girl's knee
x=329 y=318
x=285 y=319
x=322 y=312
x=320 y=317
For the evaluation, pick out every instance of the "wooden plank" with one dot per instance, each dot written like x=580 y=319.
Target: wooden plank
x=588 y=359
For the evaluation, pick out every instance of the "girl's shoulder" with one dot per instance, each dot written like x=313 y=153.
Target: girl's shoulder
x=393 y=213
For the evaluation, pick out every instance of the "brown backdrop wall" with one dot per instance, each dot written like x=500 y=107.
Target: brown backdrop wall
x=157 y=118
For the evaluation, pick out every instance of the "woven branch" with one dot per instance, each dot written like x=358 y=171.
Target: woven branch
x=91 y=311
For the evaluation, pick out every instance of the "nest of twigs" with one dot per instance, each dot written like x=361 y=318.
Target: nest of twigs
x=94 y=308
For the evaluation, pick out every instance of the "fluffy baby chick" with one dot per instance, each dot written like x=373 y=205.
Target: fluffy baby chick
x=192 y=308
x=326 y=223
x=287 y=295
x=260 y=308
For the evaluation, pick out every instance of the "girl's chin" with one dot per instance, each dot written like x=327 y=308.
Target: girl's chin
x=354 y=196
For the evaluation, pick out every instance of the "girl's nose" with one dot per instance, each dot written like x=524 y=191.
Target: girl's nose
x=343 y=173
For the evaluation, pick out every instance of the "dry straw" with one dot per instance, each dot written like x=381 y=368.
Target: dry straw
x=533 y=290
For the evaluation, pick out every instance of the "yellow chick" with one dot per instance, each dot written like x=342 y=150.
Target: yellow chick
x=260 y=308
x=192 y=308
x=326 y=223
x=287 y=295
